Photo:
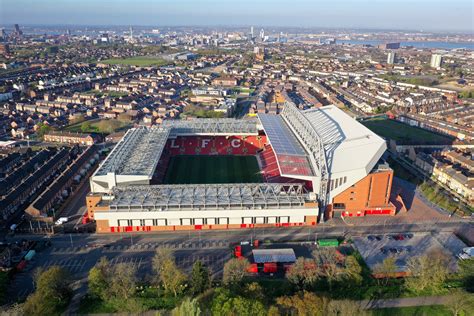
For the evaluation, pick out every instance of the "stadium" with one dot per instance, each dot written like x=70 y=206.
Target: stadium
x=291 y=169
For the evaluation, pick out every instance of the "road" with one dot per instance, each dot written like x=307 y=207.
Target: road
x=79 y=252
x=76 y=206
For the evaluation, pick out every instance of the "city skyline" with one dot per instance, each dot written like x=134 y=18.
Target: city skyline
x=372 y=14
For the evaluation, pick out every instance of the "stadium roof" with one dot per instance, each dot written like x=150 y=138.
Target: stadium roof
x=137 y=153
x=291 y=156
x=348 y=145
x=211 y=126
x=208 y=196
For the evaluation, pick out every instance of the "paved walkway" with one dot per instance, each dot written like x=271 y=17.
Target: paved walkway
x=404 y=302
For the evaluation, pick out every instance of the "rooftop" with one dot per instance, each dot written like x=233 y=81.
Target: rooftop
x=274 y=255
x=207 y=196
x=137 y=153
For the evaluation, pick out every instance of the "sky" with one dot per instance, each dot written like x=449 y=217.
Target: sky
x=428 y=15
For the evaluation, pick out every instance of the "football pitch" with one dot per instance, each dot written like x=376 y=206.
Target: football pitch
x=405 y=134
x=212 y=169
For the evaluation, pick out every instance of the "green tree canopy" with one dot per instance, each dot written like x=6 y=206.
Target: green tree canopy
x=235 y=270
x=52 y=293
x=200 y=278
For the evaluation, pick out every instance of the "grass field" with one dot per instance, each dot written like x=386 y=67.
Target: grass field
x=405 y=134
x=212 y=169
x=105 y=126
x=143 y=61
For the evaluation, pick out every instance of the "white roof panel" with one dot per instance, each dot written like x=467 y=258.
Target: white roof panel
x=348 y=144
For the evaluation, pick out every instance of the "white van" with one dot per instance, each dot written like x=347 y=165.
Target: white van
x=466 y=253
x=61 y=220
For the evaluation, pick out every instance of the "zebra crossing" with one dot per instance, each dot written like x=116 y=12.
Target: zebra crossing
x=64 y=250
x=73 y=265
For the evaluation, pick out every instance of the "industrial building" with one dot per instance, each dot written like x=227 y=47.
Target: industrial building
x=314 y=164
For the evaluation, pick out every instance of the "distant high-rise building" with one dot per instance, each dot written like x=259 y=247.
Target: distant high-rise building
x=251 y=31
x=262 y=34
x=18 y=32
x=436 y=60
x=3 y=34
x=4 y=49
x=391 y=58
x=259 y=53
x=394 y=45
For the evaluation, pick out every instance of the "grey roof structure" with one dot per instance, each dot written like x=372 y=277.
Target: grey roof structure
x=304 y=130
x=208 y=196
x=274 y=255
x=137 y=153
x=212 y=126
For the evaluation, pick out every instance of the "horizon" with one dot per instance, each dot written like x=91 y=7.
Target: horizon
x=403 y=15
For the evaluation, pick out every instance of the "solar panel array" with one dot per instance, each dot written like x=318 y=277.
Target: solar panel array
x=292 y=158
x=281 y=138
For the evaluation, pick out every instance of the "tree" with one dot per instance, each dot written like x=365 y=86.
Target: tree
x=427 y=272
x=123 y=281
x=254 y=291
x=167 y=272
x=328 y=260
x=224 y=304
x=385 y=270
x=52 y=293
x=353 y=270
x=466 y=271
x=187 y=308
x=161 y=255
x=344 y=307
x=273 y=311
x=14 y=310
x=460 y=301
x=303 y=273
x=42 y=129
x=302 y=304
x=235 y=270
x=200 y=278
x=99 y=278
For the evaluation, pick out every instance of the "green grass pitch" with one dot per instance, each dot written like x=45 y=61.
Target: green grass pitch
x=212 y=169
x=405 y=134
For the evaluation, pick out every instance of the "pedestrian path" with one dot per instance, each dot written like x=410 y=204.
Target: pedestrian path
x=404 y=302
